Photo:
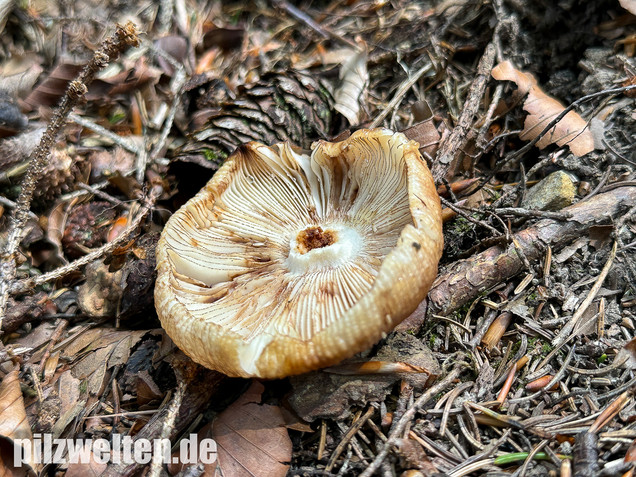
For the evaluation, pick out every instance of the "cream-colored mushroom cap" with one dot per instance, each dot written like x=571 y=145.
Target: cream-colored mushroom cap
x=287 y=261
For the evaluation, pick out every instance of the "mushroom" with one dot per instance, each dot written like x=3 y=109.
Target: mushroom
x=289 y=261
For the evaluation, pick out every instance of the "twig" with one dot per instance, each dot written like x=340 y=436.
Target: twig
x=396 y=433
x=488 y=120
x=301 y=16
x=103 y=195
x=144 y=157
x=601 y=183
x=127 y=144
x=513 y=192
x=176 y=86
x=457 y=138
x=168 y=427
x=12 y=205
x=521 y=212
x=459 y=210
x=111 y=48
x=355 y=427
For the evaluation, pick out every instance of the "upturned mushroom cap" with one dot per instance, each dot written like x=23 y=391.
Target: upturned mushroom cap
x=287 y=262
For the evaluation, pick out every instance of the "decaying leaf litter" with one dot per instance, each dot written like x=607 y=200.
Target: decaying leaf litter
x=520 y=360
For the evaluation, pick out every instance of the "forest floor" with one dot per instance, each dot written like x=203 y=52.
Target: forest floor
x=520 y=361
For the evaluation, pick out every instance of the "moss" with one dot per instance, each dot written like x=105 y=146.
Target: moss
x=214 y=156
x=515 y=347
x=433 y=340
x=461 y=226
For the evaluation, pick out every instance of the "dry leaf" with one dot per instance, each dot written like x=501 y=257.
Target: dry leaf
x=627 y=355
x=252 y=439
x=92 y=468
x=425 y=133
x=55 y=224
x=13 y=421
x=571 y=130
x=53 y=87
x=351 y=91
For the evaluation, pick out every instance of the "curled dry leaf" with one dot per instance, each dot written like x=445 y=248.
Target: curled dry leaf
x=350 y=93
x=572 y=130
x=13 y=421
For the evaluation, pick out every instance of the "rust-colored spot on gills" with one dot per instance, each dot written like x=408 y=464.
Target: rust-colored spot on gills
x=314 y=237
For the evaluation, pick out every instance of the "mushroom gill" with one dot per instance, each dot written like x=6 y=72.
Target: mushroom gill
x=287 y=261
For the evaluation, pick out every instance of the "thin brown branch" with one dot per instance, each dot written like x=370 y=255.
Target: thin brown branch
x=457 y=139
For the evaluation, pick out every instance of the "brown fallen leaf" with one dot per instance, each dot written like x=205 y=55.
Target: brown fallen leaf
x=426 y=134
x=13 y=422
x=88 y=468
x=572 y=130
x=251 y=438
x=53 y=86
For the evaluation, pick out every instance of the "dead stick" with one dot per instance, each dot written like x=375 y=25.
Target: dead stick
x=27 y=284
x=457 y=138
